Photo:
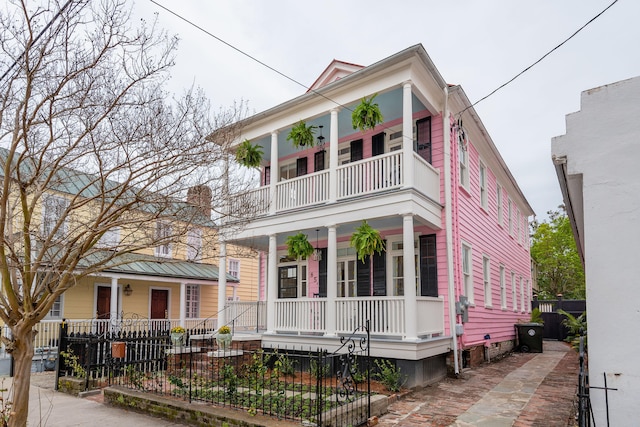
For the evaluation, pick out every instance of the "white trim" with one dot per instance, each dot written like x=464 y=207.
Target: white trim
x=486 y=281
x=467 y=286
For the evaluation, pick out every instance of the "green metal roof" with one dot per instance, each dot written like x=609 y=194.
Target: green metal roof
x=147 y=265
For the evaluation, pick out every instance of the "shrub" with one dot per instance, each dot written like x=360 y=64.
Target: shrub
x=389 y=375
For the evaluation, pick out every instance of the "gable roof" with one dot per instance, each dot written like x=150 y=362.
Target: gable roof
x=334 y=71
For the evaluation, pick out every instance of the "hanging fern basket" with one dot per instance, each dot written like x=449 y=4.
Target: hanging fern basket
x=366 y=115
x=366 y=241
x=249 y=155
x=301 y=135
x=298 y=246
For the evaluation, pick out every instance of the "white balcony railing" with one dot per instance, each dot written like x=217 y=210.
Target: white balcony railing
x=385 y=315
x=303 y=191
x=246 y=315
x=430 y=316
x=373 y=174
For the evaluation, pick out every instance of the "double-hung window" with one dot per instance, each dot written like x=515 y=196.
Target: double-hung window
x=483 y=187
x=53 y=218
x=486 y=280
x=163 y=235
x=234 y=268
x=463 y=159
x=192 y=301
x=194 y=244
x=467 y=275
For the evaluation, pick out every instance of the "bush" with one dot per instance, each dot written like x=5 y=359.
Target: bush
x=389 y=375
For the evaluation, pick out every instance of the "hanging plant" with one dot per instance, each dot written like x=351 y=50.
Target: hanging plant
x=366 y=115
x=249 y=155
x=298 y=246
x=366 y=241
x=301 y=135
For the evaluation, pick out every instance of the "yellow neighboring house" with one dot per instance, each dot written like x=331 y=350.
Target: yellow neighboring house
x=169 y=282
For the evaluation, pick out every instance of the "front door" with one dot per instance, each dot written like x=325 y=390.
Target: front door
x=103 y=303
x=159 y=304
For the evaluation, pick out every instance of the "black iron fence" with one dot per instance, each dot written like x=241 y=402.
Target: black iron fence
x=315 y=386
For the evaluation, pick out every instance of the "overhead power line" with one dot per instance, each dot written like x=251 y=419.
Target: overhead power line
x=539 y=60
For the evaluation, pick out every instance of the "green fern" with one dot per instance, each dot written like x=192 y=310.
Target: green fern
x=249 y=155
x=301 y=135
x=366 y=241
x=298 y=246
x=366 y=115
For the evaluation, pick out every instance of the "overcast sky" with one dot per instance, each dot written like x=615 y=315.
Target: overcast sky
x=477 y=44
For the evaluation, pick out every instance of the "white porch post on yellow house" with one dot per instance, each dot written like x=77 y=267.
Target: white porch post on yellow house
x=113 y=307
x=183 y=303
x=332 y=273
x=222 y=284
x=272 y=283
x=275 y=172
x=333 y=157
x=409 y=266
x=407 y=135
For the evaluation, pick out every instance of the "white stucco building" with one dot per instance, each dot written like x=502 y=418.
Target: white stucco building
x=597 y=166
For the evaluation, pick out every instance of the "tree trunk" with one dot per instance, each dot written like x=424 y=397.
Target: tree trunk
x=23 y=337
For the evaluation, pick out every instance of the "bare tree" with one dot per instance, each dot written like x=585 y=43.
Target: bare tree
x=88 y=131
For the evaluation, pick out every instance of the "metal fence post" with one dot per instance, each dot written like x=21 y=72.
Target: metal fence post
x=62 y=346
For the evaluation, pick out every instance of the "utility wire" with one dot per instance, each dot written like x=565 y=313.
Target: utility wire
x=539 y=60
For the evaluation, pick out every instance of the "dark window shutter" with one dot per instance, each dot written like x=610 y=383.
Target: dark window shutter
x=377 y=144
x=363 y=277
x=322 y=274
x=267 y=175
x=380 y=274
x=318 y=161
x=424 y=138
x=301 y=166
x=356 y=150
x=428 y=266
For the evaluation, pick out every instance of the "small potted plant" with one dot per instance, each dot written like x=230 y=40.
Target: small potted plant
x=224 y=337
x=298 y=246
x=249 y=155
x=366 y=115
x=301 y=135
x=177 y=335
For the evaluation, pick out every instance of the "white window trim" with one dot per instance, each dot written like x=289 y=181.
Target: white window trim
x=49 y=201
x=463 y=166
x=110 y=239
x=510 y=217
x=164 y=250
x=482 y=180
x=229 y=270
x=500 y=212
x=522 y=295
x=514 y=291
x=188 y=310
x=486 y=281
x=467 y=278
x=194 y=244
x=503 y=288
x=49 y=316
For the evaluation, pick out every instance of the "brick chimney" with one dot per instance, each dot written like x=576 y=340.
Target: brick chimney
x=200 y=196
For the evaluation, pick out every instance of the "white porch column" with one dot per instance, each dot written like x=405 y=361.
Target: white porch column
x=272 y=284
x=183 y=303
x=113 y=305
x=409 y=266
x=222 y=284
x=333 y=157
x=332 y=273
x=407 y=134
x=275 y=172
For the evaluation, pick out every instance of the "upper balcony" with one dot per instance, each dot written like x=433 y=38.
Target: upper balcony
x=360 y=179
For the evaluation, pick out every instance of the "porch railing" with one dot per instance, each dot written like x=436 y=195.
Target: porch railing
x=426 y=178
x=385 y=314
x=301 y=315
x=247 y=315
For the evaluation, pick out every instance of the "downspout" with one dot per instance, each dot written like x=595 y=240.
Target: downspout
x=446 y=128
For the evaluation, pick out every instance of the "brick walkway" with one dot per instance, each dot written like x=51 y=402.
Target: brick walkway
x=545 y=397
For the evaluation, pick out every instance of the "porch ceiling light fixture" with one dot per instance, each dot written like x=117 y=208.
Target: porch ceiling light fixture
x=317 y=254
x=320 y=139
x=127 y=290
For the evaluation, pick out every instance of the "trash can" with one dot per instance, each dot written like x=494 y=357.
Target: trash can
x=530 y=337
